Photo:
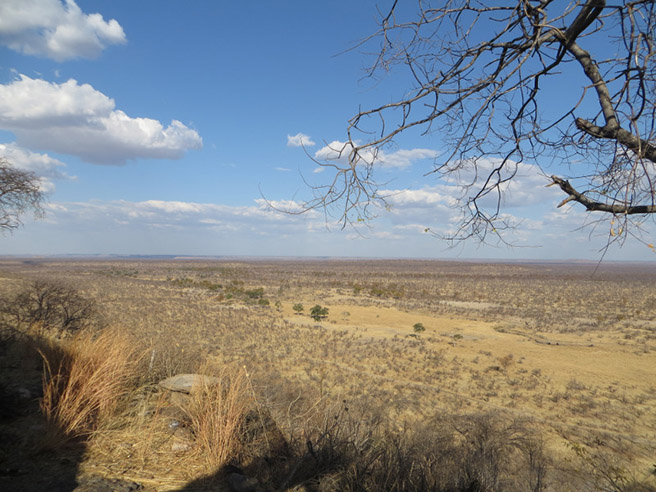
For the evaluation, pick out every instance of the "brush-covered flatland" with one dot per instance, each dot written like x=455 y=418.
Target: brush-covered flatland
x=406 y=375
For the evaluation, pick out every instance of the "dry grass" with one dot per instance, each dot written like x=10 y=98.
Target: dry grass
x=217 y=413
x=549 y=344
x=84 y=381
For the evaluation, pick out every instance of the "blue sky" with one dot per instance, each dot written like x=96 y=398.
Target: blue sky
x=156 y=126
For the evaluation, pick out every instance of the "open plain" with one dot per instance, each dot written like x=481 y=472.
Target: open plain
x=566 y=349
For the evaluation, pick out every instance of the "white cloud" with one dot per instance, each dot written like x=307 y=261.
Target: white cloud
x=45 y=167
x=75 y=119
x=41 y=164
x=425 y=197
x=259 y=219
x=377 y=235
x=290 y=206
x=299 y=140
x=175 y=227
x=56 y=29
x=340 y=151
x=524 y=185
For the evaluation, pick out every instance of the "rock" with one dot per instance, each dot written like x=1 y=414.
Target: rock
x=242 y=483
x=184 y=434
x=175 y=413
x=180 y=399
x=188 y=383
x=24 y=393
x=180 y=446
x=97 y=483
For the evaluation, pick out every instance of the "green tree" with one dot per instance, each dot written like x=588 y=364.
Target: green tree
x=318 y=313
x=298 y=308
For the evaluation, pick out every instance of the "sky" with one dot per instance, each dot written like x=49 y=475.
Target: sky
x=169 y=127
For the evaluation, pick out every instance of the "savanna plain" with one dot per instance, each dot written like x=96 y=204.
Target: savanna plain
x=328 y=375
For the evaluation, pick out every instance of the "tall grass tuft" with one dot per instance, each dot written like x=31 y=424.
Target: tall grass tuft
x=217 y=413
x=83 y=382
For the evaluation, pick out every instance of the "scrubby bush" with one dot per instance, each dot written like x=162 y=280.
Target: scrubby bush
x=419 y=327
x=351 y=449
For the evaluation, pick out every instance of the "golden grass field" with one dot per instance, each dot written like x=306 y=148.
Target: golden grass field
x=568 y=348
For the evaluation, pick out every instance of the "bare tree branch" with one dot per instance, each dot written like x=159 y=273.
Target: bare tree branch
x=593 y=206
x=20 y=192
x=478 y=83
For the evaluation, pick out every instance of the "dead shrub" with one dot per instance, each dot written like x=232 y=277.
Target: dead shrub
x=483 y=453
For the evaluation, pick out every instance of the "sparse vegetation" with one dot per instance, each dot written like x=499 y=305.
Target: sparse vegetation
x=482 y=399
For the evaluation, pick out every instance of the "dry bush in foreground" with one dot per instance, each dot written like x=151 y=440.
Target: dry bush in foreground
x=83 y=383
x=349 y=449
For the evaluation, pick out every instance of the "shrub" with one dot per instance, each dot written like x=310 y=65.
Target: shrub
x=255 y=293
x=298 y=308
x=354 y=450
x=418 y=327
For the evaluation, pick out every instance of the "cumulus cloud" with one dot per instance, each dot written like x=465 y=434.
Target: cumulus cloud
x=299 y=140
x=423 y=198
x=45 y=167
x=340 y=151
x=524 y=184
x=442 y=207
x=55 y=29
x=40 y=164
x=76 y=119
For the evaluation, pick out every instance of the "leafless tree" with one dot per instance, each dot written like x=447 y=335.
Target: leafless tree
x=481 y=74
x=51 y=307
x=19 y=193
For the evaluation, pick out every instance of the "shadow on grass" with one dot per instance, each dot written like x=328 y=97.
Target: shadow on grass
x=36 y=453
x=25 y=464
